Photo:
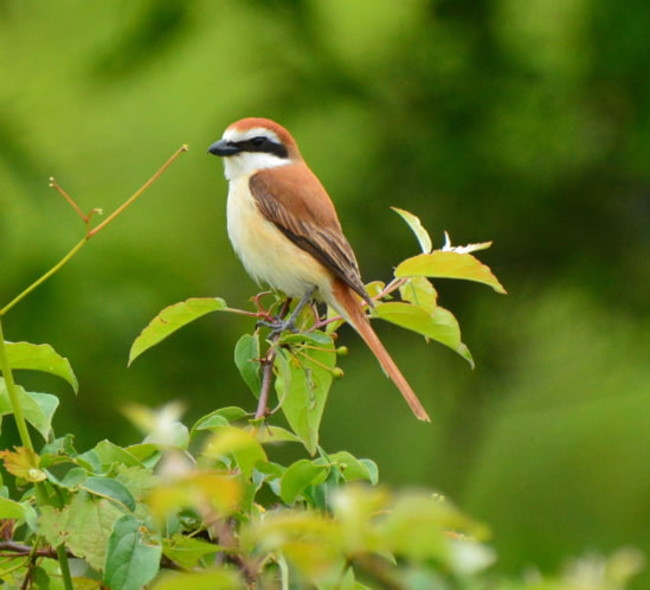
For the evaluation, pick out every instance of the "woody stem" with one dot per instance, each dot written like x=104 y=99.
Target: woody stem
x=267 y=368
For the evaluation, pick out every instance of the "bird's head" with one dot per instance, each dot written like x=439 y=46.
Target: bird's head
x=253 y=144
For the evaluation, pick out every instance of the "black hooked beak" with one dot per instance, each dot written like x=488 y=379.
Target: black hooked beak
x=223 y=148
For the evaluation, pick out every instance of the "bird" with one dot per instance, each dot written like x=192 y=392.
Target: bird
x=284 y=227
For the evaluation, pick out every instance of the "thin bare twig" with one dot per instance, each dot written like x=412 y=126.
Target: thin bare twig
x=137 y=193
x=59 y=189
x=13 y=549
x=89 y=232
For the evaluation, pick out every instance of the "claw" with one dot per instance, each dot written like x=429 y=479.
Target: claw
x=279 y=325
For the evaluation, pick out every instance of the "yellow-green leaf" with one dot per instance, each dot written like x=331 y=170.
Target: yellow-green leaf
x=439 y=325
x=43 y=358
x=171 y=319
x=420 y=291
x=267 y=434
x=38 y=408
x=23 y=462
x=374 y=288
x=449 y=265
x=417 y=527
x=110 y=453
x=309 y=540
x=85 y=526
x=416 y=226
x=199 y=491
x=188 y=551
x=221 y=578
x=237 y=445
x=11 y=509
x=299 y=476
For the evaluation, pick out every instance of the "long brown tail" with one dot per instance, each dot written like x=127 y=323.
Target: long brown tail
x=348 y=306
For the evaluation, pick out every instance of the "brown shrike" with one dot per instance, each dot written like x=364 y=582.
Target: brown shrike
x=284 y=228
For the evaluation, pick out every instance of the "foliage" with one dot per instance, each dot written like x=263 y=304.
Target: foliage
x=206 y=506
x=522 y=122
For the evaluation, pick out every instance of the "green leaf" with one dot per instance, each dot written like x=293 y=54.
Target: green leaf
x=188 y=551
x=171 y=319
x=373 y=470
x=268 y=434
x=299 y=476
x=354 y=469
x=90 y=461
x=348 y=582
x=41 y=357
x=220 y=417
x=232 y=413
x=373 y=289
x=73 y=478
x=109 y=453
x=11 y=509
x=38 y=408
x=85 y=526
x=210 y=422
x=63 y=445
x=110 y=488
x=247 y=354
x=42 y=418
x=222 y=578
x=449 y=265
x=268 y=472
x=304 y=377
x=148 y=454
x=416 y=226
x=132 y=560
x=139 y=481
x=439 y=325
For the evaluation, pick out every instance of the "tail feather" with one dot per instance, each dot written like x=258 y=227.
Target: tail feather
x=347 y=304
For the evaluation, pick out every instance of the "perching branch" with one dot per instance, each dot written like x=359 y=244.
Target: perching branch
x=267 y=368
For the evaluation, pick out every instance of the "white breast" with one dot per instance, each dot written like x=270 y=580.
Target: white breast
x=266 y=253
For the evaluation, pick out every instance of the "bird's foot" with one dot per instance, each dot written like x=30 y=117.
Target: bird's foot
x=282 y=324
x=279 y=325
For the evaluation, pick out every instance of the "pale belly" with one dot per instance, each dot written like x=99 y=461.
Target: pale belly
x=266 y=253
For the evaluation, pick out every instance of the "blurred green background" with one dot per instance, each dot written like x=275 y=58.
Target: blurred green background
x=527 y=123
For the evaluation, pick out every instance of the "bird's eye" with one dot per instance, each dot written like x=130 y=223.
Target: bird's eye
x=258 y=141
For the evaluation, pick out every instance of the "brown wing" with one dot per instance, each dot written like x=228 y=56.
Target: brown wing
x=293 y=199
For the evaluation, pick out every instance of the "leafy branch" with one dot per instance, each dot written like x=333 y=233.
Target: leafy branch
x=206 y=506
x=24 y=461
x=304 y=364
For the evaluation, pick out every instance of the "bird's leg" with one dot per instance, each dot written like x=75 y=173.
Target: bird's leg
x=306 y=298
x=280 y=324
